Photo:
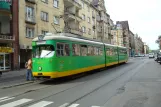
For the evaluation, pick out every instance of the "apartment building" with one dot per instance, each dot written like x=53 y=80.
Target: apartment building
x=117 y=32
x=111 y=36
x=132 y=44
x=8 y=35
x=89 y=22
x=102 y=21
x=146 y=49
x=139 y=45
x=126 y=34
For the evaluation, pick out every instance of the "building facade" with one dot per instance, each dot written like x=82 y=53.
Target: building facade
x=103 y=19
x=126 y=34
x=117 y=32
x=146 y=49
x=132 y=44
x=8 y=35
x=139 y=45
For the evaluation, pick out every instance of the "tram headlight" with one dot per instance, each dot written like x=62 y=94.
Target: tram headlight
x=40 y=68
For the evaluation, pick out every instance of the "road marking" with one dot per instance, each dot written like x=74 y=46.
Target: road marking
x=95 y=106
x=64 y=105
x=41 y=104
x=74 y=105
x=16 y=103
x=5 y=99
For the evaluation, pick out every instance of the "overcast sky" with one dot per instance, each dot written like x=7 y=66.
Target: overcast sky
x=144 y=17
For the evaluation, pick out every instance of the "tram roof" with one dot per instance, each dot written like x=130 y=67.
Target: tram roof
x=67 y=36
x=72 y=37
x=122 y=47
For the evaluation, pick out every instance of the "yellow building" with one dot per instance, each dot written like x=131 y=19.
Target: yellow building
x=117 y=33
x=89 y=22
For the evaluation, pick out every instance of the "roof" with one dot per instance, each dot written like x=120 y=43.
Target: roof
x=125 y=24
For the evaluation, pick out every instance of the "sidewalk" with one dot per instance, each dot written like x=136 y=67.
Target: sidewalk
x=13 y=78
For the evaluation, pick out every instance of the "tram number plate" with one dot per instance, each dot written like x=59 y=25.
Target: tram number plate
x=39 y=73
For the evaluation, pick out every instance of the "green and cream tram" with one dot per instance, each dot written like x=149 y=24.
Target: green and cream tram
x=59 y=55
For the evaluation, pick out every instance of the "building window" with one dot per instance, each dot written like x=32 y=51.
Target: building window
x=84 y=29
x=29 y=32
x=44 y=16
x=93 y=21
x=89 y=31
x=56 y=3
x=89 y=20
x=45 y=1
x=76 y=49
x=56 y=20
x=44 y=32
x=30 y=14
x=88 y=8
x=82 y=5
x=83 y=17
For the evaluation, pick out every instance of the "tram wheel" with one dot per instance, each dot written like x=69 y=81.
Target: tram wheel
x=0 y=73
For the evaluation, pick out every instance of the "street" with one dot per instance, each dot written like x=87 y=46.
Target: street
x=134 y=84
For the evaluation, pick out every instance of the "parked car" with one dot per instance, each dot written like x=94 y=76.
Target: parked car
x=158 y=57
x=151 y=55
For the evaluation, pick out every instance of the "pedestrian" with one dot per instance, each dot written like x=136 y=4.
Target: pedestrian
x=0 y=73
x=29 y=76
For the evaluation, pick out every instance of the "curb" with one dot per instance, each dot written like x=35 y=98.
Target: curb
x=10 y=86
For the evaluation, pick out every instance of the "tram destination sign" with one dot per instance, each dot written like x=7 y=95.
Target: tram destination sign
x=41 y=42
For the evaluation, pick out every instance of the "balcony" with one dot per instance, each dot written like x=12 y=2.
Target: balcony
x=4 y=7
x=6 y=38
x=30 y=19
x=71 y=16
x=70 y=3
x=31 y=1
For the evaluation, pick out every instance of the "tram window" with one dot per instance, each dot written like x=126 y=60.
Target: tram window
x=76 y=49
x=95 y=51
x=107 y=51
x=83 y=50
x=111 y=51
x=63 y=49
x=90 y=51
x=100 y=51
x=60 y=50
x=115 y=50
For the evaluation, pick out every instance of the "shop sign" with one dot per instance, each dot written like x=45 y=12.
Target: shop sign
x=6 y=50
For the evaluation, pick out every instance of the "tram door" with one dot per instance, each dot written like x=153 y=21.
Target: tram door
x=1 y=62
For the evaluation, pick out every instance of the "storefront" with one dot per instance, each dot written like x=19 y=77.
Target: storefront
x=5 y=58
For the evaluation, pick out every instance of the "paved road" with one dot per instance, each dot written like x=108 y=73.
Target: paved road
x=135 y=84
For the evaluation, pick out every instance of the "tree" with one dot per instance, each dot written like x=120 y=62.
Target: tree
x=158 y=41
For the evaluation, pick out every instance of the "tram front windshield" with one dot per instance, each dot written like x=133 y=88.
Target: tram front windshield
x=43 y=51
